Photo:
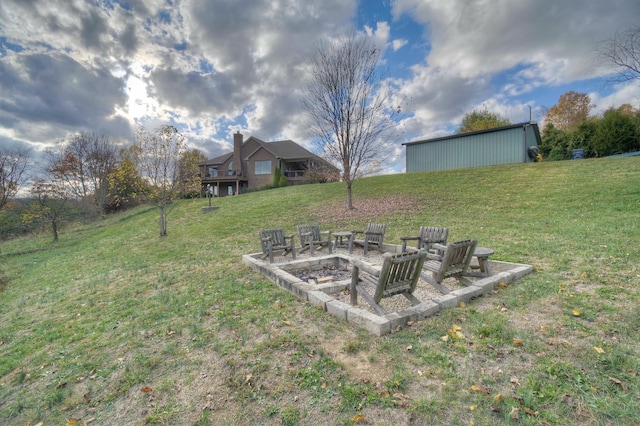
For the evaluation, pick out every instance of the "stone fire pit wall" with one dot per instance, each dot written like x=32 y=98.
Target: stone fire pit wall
x=324 y=295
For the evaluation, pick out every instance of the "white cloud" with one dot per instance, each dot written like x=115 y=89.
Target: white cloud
x=398 y=43
x=623 y=93
x=471 y=39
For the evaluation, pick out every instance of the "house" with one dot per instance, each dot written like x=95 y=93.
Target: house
x=253 y=163
x=517 y=143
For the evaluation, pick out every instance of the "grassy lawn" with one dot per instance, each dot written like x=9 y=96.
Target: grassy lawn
x=114 y=325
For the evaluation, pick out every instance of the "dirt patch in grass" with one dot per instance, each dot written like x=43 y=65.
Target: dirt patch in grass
x=371 y=208
x=384 y=416
x=358 y=364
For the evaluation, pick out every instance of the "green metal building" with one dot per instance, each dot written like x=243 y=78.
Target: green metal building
x=517 y=143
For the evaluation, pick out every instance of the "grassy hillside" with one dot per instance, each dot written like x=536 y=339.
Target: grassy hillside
x=114 y=325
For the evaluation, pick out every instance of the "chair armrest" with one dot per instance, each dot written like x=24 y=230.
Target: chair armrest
x=433 y=256
x=366 y=267
x=410 y=238
x=325 y=232
x=357 y=232
x=439 y=247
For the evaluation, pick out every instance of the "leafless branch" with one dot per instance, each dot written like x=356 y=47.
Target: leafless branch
x=13 y=163
x=622 y=54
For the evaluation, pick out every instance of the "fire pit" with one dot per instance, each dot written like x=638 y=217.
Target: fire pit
x=324 y=281
x=324 y=274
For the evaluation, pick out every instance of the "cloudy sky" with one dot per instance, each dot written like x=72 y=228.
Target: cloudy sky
x=211 y=67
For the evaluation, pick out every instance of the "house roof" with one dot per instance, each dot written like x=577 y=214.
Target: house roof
x=284 y=149
x=219 y=159
x=287 y=150
x=495 y=129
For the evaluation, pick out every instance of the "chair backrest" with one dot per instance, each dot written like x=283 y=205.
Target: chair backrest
x=375 y=233
x=306 y=229
x=276 y=236
x=430 y=235
x=399 y=274
x=456 y=259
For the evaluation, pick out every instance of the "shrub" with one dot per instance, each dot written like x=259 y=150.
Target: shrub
x=276 y=177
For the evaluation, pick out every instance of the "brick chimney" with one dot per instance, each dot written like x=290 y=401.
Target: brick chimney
x=237 y=152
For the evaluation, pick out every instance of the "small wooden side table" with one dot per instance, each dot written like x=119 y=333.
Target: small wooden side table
x=482 y=254
x=339 y=240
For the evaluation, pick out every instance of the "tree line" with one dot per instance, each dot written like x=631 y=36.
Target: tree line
x=91 y=174
x=569 y=126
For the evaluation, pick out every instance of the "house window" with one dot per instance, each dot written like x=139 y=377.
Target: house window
x=263 y=167
x=213 y=171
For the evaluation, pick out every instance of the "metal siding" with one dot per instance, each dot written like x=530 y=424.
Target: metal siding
x=485 y=149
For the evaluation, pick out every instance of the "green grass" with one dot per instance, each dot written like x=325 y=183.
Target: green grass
x=89 y=321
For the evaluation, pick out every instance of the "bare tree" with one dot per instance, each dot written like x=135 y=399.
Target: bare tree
x=622 y=54
x=102 y=159
x=50 y=206
x=84 y=164
x=13 y=163
x=349 y=106
x=157 y=156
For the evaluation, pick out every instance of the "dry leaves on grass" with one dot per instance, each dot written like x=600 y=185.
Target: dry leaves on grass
x=481 y=389
x=366 y=209
x=618 y=382
x=454 y=333
x=358 y=418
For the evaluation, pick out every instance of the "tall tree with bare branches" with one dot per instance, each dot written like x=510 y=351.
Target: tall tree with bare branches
x=157 y=157
x=50 y=205
x=84 y=164
x=13 y=163
x=622 y=54
x=349 y=105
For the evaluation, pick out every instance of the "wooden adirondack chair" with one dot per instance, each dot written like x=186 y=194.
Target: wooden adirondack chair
x=373 y=236
x=399 y=275
x=428 y=236
x=311 y=236
x=274 y=240
x=452 y=262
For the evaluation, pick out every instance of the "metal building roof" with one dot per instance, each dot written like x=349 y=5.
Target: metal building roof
x=479 y=132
